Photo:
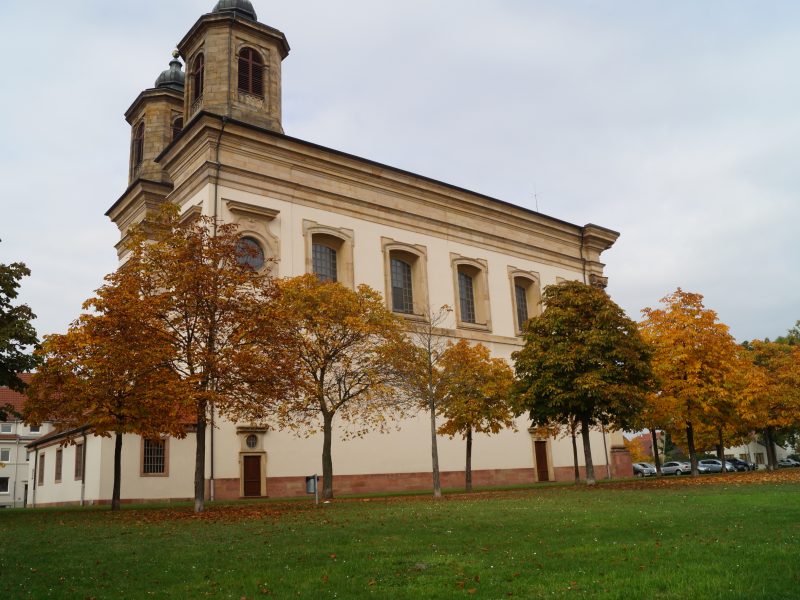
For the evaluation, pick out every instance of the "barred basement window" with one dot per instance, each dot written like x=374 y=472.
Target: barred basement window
x=251 y=72
x=59 y=464
x=198 y=67
x=79 y=461
x=40 y=481
x=154 y=457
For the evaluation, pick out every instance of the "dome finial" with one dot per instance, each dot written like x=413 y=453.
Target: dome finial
x=175 y=54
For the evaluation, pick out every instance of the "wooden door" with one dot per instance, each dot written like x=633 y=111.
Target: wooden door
x=251 y=471
x=541 y=461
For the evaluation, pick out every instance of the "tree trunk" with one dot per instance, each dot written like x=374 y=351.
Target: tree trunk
x=656 y=458
x=327 y=456
x=721 y=449
x=115 y=493
x=692 y=451
x=437 y=482
x=468 y=471
x=575 y=456
x=772 y=459
x=200 y=459
x=587 y=451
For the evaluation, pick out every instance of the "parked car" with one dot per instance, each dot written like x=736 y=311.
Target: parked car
x=644 y=469
x=715 y=465
x=787 y=463
x=742 y=465
x=675 y=467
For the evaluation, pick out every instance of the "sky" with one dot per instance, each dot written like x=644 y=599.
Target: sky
x=675 y=123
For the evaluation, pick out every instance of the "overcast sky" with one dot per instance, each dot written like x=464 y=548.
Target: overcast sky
x=674 y=123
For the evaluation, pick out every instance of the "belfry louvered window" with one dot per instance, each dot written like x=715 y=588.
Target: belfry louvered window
x=251 y=72
x=197 y=76
x=138 y=145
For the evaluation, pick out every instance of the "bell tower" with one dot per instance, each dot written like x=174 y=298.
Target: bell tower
x=155 y=117
x=234 y=66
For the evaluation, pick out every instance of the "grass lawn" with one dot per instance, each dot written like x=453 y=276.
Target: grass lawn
x=727 y=538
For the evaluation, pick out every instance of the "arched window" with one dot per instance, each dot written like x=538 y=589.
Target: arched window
x=521 y=296
x=251 y=72
x=177 y=126
x=137 y=151
x=402 y=290
x=526 y=300
x=471 y=291
x=197 y=77
x=466 y=296
x=324 y=261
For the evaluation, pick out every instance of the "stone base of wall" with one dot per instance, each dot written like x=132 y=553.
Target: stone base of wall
x=568 y=473
x=287 y=487
x=107 y=502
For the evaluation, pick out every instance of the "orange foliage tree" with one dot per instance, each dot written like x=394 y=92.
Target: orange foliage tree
x=346 y=341
x=108 y=373
x=582 y=358
x=230 y=341
x=772 y=402
x=694 y=361
x=476 y=393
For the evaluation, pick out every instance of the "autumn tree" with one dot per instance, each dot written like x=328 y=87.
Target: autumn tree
x=419 y=374
x=17 y=335
x=582 y=358
x=656 y=414
x=476 y=394
x=346 y=342
x=108 y=373
x=218 y=310
x=772 y=402
x=792 y=337
x=694 y=358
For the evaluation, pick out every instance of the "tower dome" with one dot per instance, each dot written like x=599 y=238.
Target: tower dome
x=174 y=77
x=240 y=7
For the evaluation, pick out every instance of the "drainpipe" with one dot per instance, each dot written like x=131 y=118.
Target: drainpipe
x=605 y=449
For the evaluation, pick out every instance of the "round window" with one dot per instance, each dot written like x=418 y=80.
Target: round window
x=250 y=253
x=251 y=441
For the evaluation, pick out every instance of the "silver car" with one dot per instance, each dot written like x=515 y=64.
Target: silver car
x=675 y=467
x=644 y=469
x=715 y=466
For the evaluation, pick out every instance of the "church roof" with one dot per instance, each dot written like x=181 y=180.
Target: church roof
x=240 y=7
x=174 y=77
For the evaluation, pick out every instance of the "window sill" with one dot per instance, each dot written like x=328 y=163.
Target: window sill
x=474 y=326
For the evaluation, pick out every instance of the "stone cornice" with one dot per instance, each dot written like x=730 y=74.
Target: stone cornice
x=224 y=18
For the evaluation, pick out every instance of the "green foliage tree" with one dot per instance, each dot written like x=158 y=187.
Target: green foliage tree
x=476 y=393
x=17 y=335
x=582 y=358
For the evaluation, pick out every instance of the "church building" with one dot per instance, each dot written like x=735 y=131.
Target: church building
x=210 y=139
